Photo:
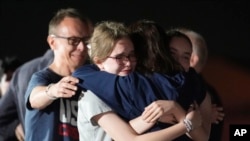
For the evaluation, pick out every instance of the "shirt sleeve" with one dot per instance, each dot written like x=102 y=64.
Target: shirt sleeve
x=90 y=105
x=37 y=79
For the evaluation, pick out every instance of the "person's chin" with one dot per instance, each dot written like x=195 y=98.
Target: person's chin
x=124 y=73
x=78 y=59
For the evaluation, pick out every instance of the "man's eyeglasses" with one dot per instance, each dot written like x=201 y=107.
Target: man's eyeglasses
x=122 y=59
x=74 y=41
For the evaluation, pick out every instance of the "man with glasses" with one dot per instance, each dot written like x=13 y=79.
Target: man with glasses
x=74 y=41
x=51 y=100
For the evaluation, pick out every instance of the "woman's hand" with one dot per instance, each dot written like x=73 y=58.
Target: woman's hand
x=157 y=109
x=194 y=115
x=217 y=114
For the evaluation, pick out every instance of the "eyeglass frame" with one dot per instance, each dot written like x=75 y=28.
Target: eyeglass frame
x=123 y=58
x=71 y=40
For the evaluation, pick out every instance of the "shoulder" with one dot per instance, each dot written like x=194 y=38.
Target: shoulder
x=44 y=77
x=90 y=98
x=92 y=105
x=43 y=72
x=85 y=69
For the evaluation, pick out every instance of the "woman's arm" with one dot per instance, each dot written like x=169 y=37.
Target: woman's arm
x=122 y=131
x=202 y=133
x=119 y=130
x=96 y=111
x=158 y=111
x=140 y=126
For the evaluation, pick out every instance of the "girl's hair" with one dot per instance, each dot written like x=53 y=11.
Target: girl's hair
x=104 y=38
x=151 y=48
x=171 y=33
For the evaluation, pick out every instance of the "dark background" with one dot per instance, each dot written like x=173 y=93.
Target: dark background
x=225 y=25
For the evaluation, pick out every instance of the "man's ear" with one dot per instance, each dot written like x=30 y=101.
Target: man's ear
x=51 y=42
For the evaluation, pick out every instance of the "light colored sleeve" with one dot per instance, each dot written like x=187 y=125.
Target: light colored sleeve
x=90 y=105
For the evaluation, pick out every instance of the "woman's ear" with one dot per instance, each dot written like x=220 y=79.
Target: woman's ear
x=194 y=60
x=98 y=62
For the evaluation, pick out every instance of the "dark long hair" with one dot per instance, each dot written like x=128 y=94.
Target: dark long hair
x=151 y=48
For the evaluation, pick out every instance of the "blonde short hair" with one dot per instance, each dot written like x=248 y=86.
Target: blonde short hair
x=104 y=38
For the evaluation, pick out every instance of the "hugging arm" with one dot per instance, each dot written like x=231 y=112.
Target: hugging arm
x=203 y=132
x=159 y=110
x=93 y=111
x=119 y=130
x=127 y=95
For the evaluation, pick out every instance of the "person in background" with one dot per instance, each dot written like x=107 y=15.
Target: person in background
x=12 y=104
x=198 y=61
x=180 y=47
x=50 y=99
x=9 y=66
